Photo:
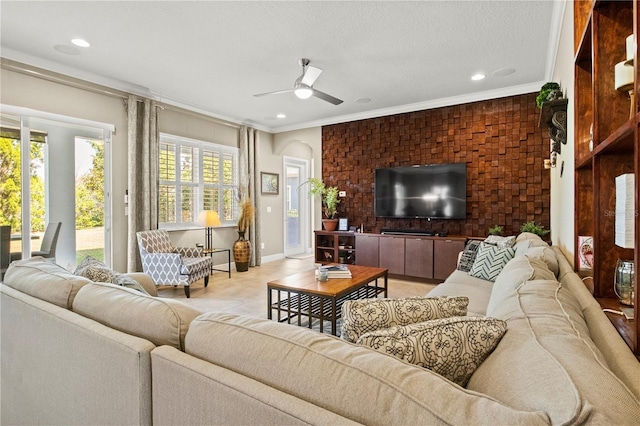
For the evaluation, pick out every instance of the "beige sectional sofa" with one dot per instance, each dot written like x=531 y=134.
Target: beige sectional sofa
x=77 y=352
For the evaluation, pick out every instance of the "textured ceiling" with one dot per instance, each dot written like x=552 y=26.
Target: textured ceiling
x=212 y=56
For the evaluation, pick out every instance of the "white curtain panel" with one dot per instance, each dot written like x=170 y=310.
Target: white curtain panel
x=143 y=173
x=250 y=184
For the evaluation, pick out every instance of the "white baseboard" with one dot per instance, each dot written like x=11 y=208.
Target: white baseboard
x=272 y=258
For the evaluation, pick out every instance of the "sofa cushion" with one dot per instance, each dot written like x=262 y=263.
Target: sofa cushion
x=489 y=261
x=330 y=372
x=468 y=255
x=547 y=361
x=364 y=315
x=452 y=347
x=546 y=254
x=499 y=241
x=38 y=277
x=521 y=247
x=98 y=271
x=462 y=284
x=161 y=321
x=527 y=236
x=516 y=272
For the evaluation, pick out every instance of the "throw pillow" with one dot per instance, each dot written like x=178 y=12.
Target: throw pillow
x=95 y=270
x=468 y=255
x=502 y=242
x=364 y=315
x=98 y=271
x=125 y=281
x=452 y=347
x=490 y=260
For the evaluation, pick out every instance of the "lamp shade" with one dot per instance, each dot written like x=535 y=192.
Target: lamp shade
x=209 y=218
x=623 y=76
x=625 y=211
x=630 y=48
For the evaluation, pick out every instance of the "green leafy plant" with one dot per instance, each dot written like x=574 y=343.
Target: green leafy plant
x=327 y=194
x=496 y=230
x=545 y=91
x=534 y=228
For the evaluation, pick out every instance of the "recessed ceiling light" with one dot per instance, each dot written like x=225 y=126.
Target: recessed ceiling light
x=504 y=71
x=477 y=77
x=363 y=100
x=66 y=49
x=80 y=42
x=281 y=115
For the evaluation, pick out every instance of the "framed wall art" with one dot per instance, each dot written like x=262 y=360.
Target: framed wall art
x=269 y=183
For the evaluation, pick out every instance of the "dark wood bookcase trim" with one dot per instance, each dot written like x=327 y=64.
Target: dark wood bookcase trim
x=602 y=115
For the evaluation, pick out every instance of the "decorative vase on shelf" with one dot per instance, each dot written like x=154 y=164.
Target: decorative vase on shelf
x=623 y=282
x=241 y=253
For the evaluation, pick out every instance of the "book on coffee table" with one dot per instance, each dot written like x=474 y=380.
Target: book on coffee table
x=337 y=271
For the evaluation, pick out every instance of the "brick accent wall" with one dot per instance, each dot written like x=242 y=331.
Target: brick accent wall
x=499 y=140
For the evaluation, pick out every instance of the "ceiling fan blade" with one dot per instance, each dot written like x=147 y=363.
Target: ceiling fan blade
x=325 y=97
x=277 y=92
x=311 y=74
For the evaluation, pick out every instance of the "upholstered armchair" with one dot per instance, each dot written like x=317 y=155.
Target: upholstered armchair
x=169 y=265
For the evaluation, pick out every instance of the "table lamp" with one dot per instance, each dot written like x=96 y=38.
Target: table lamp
x=209 y=219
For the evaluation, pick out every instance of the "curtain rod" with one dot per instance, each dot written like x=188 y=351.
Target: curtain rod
x=201 y=115
x=75 y=83
x=60 y=78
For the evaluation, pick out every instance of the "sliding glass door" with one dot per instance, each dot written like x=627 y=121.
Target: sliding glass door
x=21 y=183
x=60 y=165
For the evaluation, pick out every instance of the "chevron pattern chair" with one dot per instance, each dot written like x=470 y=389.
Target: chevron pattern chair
x=169 y=265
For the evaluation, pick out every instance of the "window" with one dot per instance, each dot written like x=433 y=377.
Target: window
x=196 y=176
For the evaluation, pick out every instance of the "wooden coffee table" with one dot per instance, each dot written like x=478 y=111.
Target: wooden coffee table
x=303 y=296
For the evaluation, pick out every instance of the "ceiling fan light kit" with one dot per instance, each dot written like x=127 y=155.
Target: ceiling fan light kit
x=303 y=91
x=303 y=86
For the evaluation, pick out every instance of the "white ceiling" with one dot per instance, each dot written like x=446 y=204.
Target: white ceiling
x=213 y=56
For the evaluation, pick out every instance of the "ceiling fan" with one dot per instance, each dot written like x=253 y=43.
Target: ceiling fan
x=303 y=86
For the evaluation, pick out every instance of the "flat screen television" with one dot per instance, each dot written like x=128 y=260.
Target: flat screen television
x=435 y=191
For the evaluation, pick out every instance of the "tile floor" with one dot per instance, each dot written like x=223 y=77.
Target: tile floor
x=245 y=293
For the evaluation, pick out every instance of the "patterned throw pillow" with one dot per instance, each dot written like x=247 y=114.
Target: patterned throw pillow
x=97 y=271
x=489 y=261
x=452 y=347
x=468 y=255
x=364 y=315
x=502 y=242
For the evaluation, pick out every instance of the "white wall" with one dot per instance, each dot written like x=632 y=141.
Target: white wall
x=562 y=185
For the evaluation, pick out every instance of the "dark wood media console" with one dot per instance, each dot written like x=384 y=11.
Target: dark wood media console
x=410 y=256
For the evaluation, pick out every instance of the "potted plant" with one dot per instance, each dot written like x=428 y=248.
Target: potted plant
x=548 y=92
x=496 y=230
x=534 y=228
x=329 y=198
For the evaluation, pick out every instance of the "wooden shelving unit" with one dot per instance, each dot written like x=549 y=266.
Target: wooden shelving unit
x=335 y=247
x=601 y=29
